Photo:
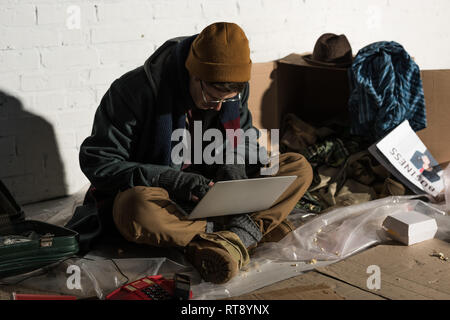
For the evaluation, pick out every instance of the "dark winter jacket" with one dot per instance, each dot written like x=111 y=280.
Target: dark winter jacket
x=130 y=141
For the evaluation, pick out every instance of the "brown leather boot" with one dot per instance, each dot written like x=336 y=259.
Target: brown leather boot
x=217 y=256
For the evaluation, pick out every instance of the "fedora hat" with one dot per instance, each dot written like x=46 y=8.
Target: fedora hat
x=331 y=50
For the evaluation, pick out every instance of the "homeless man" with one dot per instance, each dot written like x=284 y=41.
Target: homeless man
x=128 y=161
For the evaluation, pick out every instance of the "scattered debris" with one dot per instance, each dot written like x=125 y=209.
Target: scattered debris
x=440 y=255
x=420 y=263
x=433 y=281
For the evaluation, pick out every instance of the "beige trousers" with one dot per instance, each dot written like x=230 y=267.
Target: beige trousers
x=147 y=215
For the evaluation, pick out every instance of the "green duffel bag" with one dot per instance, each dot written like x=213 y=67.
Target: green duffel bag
x=26 y=245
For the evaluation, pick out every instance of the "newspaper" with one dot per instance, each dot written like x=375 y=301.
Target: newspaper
x=408 y=159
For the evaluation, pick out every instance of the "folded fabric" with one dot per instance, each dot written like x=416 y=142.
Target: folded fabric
x=297 y=134
x=345 y=173
x=385 y=90
x=351 y=193
x=332 y=152
x=360 y=179
x=310 y=202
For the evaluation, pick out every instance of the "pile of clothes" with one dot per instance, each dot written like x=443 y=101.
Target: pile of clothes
x=385 y=89
x=345 y=173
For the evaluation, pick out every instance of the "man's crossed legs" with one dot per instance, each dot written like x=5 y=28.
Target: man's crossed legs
x=147 y=215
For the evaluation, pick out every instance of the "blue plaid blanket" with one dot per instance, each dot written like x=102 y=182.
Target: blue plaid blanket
x=385 y=90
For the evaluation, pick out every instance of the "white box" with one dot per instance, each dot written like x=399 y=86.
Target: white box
x=410 y=227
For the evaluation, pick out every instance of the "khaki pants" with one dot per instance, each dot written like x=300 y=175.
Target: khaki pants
x=147 y=215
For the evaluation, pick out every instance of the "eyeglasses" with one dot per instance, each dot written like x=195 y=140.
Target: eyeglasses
x=217 y=102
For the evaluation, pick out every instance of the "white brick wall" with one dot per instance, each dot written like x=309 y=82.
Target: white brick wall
x=52 y=77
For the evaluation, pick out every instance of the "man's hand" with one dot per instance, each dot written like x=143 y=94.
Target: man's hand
x=183 y=186
x=201 y=194
x=231 y=172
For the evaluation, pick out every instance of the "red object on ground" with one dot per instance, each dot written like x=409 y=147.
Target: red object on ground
x=25 y=296
x=147 y=288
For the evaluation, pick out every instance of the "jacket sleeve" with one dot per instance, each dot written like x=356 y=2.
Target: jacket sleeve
x=105 y=156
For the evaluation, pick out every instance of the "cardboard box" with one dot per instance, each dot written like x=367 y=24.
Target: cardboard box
x=313 y=93
x=317 y=93
x=291 y=85
x=410 y=227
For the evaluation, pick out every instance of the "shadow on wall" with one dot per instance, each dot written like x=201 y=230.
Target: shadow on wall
x=30 y=163
x=270 y=115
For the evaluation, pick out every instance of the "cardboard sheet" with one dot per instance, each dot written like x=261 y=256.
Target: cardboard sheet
x=406 y=272
x=304 y=286
x=310 y=292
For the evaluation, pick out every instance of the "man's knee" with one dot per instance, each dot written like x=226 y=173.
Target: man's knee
x=296 y=164
x=134 y=205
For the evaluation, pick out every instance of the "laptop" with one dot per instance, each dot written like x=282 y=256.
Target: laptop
x=239 y=196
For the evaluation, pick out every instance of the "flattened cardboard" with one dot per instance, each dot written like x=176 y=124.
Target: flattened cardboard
x=406 y=272
x=312 y=292
x=307 y=280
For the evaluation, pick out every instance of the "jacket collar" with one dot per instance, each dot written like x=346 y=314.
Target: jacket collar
x=181 y=53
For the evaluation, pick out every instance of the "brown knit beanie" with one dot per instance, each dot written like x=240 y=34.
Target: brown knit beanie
x=220 y=53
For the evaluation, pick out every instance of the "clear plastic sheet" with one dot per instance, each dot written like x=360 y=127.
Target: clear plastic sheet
x=326 y=239
x=319 y=240
x=85 y=277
